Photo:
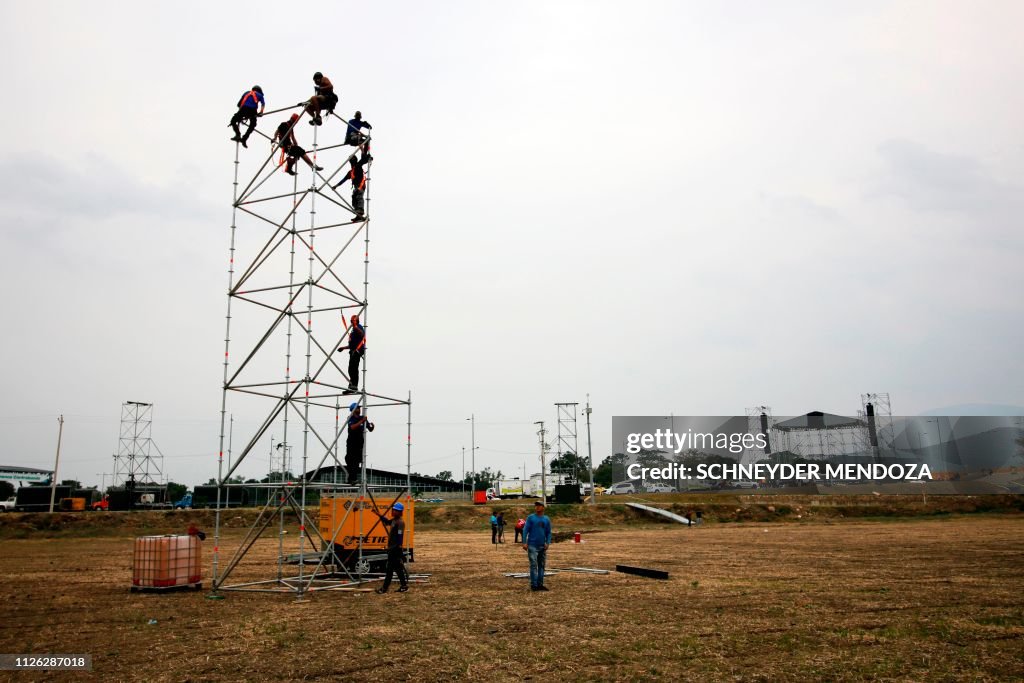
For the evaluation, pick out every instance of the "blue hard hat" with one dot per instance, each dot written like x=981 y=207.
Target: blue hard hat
x=353 y=406
x=398 y=506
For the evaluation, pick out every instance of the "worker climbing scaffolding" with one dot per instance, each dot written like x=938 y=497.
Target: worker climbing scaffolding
x=358 y=177
x=290 y=150
x=250 y=106
x=357 y=426
x=356 y=349
x=354 y=135
x=323 y=99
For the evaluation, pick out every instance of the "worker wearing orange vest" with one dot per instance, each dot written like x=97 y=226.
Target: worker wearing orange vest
x=285 y=137
x=250 y=105
x=357 y=426
x=358 y=178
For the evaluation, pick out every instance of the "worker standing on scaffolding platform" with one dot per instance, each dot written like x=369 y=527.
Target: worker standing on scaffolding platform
x=357 y=427
x=354 y=135
x=356 y=348
x=250 y=105
x=285 y=136
x=396 y=555
x=323 y=99
x=358 y=178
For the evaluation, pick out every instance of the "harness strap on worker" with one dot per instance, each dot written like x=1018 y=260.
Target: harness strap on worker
x=245 y=98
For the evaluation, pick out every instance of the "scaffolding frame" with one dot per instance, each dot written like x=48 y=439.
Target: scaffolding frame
x=879 y=420
x=134 y=463
x=566 y=432
x=270 y=281
x=756 y=425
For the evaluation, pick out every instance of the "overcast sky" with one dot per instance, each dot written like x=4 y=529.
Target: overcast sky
x=674 y=207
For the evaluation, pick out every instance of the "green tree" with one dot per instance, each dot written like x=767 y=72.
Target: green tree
x=648 y=458
x=444 y=475
x=571 y=464
x=176 y=491
x=604 y=473
x=484 y=479
x=233 y=480
x=6 y=490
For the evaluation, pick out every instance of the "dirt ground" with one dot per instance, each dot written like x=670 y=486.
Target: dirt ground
x=912 y=599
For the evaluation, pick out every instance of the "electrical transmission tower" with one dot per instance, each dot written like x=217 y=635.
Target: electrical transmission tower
x=298 y=270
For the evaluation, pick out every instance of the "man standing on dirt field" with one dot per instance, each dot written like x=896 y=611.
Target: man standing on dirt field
x=536 y=539
x=396 y=555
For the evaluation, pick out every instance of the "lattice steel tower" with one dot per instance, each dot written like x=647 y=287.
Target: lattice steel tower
x=134 y=462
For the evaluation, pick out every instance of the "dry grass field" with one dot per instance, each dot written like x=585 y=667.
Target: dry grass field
x=910 y=599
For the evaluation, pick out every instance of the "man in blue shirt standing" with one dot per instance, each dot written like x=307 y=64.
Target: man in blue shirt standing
x=536 y=539
x=250 y=105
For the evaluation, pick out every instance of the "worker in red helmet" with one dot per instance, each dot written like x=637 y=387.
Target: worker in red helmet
x=356 y=348
x=396 y=552
x=285 y=137
x=250 y=105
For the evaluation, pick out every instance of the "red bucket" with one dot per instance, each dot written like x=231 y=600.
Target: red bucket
x=576 y=538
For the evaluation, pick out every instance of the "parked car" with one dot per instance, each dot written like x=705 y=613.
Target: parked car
x=660 y=488
x=7 y=505
x=623 y=487
x=745 y=484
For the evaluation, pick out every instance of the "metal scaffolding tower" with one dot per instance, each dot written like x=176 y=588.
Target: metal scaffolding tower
x=567 y=440
x=134 y=462
x=759 y=421
x=299 y=250
x=876 y=410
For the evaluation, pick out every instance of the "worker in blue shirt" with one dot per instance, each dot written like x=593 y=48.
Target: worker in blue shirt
x=250 y=105
x=536 y=539
x=354 y=135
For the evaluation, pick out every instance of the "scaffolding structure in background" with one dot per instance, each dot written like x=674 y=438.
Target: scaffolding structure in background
x=759 y=421
x=821 y=436
x=566 y=436
x=134 y=463
x=876 y=411
x=292 y=286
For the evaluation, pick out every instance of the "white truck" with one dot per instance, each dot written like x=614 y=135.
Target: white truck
x=525 y=488
x=7 y=505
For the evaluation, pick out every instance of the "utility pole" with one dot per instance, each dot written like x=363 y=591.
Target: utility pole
x=56 y=463
x=463 y=470
x=543 y=465
x=590 y=454
x=472 y=448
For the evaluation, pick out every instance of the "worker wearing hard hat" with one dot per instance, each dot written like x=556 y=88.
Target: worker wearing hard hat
x=396 y=554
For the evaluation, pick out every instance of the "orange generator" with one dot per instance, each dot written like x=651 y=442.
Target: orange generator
x=346 y=519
